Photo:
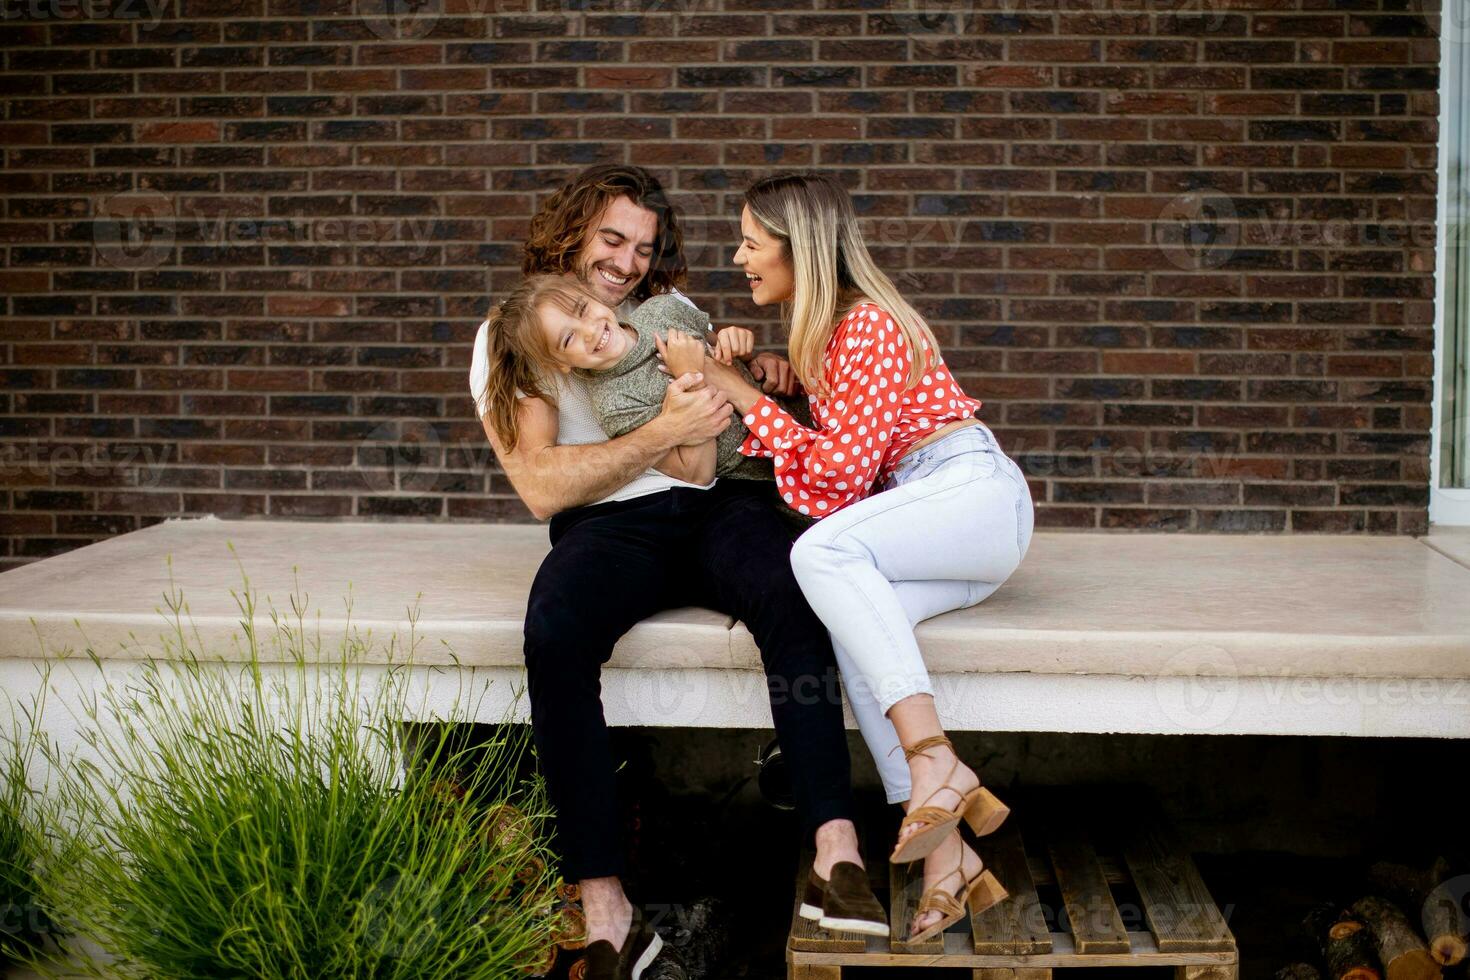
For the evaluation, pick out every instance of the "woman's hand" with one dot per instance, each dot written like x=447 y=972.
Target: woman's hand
x=683 y=353
x=741 y=393
x=733 y=342
x=774 y=373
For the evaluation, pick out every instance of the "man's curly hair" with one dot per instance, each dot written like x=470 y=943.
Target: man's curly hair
x=560 y=227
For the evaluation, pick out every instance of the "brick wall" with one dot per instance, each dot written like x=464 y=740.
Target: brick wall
x=1183 y=253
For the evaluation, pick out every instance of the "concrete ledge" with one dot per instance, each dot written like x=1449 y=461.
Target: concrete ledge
x=1452 y=542
x=1097 y=632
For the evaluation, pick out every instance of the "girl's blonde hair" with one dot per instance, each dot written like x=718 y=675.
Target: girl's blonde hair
x=519 y=354
x=812 y=215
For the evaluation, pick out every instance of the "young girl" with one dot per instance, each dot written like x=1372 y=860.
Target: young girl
x=918 y=509
x=552 y=323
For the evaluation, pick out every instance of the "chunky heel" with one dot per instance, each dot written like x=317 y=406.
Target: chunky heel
x=985 y=891
x=985 y=812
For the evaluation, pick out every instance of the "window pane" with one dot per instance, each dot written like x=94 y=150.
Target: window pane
x=1455 y=434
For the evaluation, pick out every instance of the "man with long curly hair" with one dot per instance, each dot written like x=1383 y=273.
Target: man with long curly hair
x=629 y=541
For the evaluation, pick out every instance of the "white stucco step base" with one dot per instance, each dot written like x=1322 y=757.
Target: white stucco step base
x=999 y=702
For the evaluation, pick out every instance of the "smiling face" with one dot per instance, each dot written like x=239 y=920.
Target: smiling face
x=766 y=264
x=588 y=337
x=617 y=251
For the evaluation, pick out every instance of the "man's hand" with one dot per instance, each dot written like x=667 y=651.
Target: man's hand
x=683 y=353
x=774 y=374
x=733 y=342
x=697 y=411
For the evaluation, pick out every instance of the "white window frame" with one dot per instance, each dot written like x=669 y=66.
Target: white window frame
x=1447 y=505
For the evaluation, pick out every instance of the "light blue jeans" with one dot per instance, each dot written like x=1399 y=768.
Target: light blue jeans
x=943 y=532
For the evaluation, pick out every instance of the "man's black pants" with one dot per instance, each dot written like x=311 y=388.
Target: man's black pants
x=614 y=564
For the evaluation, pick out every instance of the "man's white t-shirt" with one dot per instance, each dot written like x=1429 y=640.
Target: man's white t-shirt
x=577 y=423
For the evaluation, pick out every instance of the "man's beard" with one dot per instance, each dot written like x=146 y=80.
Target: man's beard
x=605 y=290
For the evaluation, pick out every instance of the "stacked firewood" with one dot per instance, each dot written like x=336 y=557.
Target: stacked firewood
x=1413 y=924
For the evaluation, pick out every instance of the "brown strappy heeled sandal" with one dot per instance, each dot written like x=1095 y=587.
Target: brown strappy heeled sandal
x=979 y=807
x=980 y=893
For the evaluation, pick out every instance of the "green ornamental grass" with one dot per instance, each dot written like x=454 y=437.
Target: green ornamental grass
x=257 y=818
x=24 y=924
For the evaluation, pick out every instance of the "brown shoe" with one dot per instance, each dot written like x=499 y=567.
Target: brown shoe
x=845 y=903
x=813 y=897
x=641 y=947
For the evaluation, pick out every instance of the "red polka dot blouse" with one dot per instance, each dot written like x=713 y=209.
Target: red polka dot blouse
x=866 y=423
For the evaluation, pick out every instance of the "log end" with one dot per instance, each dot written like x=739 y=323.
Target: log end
x=1448 y=950
x=1415 y=964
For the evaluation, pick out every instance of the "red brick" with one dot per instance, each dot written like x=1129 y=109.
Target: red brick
x=628 y=77
x=179 y=132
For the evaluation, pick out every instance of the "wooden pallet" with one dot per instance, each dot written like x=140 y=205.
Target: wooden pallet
x=1083 y=892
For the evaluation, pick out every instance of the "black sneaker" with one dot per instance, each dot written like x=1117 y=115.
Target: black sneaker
x=641 y=947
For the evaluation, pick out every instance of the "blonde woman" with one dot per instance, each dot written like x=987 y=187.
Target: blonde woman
x=918 y=510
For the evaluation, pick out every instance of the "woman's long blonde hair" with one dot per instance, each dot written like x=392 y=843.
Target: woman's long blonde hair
x=812 y=215
x=519 y=354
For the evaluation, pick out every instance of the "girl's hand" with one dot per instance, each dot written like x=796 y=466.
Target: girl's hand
x=741 y=393
x=733 y=342
x=682 y=353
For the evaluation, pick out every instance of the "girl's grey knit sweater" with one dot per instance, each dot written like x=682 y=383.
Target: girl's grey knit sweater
x=631 y=392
